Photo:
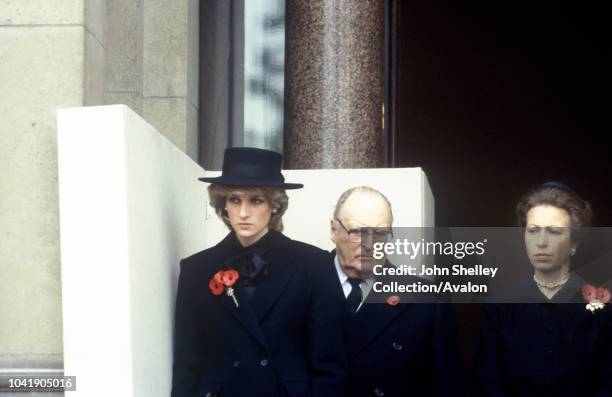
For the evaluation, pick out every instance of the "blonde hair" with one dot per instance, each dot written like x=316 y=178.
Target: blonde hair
x=279 y=202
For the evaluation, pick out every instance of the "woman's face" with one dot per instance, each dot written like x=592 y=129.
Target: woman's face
x=548 y=238
x=249 y=215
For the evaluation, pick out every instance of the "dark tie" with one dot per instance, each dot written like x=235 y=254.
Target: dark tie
x=354 y=297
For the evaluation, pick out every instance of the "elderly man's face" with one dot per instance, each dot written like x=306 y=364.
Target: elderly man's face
x=361 y=209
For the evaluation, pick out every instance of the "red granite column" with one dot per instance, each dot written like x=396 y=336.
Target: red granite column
x=334 y=84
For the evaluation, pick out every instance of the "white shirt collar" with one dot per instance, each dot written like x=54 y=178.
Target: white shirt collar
x=341 y=275
x=365 y=285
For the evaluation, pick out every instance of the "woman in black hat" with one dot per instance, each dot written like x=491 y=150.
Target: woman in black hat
x=256 y=314
x=548 y=347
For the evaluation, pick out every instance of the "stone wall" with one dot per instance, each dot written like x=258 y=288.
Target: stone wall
x=51 y=55
x=152 y=64
x=67 y=53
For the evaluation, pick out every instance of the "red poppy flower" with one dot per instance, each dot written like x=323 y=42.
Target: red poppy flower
x=230 y=277
x=603 y=295
x=215 y=287
x=218 y=277
x=393 y=300
x=589 y=292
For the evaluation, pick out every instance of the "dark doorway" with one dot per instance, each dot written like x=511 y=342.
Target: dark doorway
x=492 y=98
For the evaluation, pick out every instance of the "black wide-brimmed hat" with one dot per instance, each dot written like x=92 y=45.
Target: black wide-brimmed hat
x=246 y=166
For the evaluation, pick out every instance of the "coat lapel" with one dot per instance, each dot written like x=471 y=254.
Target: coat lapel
x=244 y=314
x=281 y=267
x=369 y=321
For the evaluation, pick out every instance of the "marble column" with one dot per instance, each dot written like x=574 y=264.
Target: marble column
x=334 y=84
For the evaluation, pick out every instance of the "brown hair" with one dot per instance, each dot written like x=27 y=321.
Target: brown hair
x=217 y=194
x=578 y=209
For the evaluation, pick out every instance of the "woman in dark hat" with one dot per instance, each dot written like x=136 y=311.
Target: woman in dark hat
x=548 y=347
x=256 y=314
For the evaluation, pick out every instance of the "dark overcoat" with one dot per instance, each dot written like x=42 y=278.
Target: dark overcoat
x=407 y=350
x=285 y=341
x=545 y=348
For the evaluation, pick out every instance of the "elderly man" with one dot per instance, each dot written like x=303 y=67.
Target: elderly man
x=407 y=349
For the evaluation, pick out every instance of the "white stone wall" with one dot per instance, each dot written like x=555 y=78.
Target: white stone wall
x=311 y=208
x=65 y=53
x=131 y=208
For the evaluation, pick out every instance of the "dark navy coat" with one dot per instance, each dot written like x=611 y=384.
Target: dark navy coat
x=407 y=350
x=286 y=341
x=544 y=349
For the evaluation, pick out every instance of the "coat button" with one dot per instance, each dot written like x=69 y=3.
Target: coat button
x=397 y=346
x=236 y=364
x=379 y=393
x=263 y=362
x=211 y=394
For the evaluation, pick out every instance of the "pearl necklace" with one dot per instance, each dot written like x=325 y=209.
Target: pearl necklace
x=551 y=285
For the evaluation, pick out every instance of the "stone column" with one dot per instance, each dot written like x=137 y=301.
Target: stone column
x=170 y=70
x=152 y=65
x=334 y=84
x=124 y=54
x=51 y=55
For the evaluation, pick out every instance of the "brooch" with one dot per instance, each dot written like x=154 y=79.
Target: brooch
x=597 y=297
x=222 y=281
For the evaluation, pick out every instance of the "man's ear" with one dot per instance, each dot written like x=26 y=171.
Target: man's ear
x=332 y=230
